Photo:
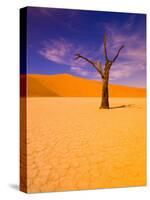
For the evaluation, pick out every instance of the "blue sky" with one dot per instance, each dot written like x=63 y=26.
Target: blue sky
x=55 y=35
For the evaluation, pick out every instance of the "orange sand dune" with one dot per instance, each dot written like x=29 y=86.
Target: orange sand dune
x=65 y=85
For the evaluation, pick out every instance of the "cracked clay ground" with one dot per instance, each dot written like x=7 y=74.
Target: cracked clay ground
x=74 y=145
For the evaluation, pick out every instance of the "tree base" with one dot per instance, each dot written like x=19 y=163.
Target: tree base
x=104 y=107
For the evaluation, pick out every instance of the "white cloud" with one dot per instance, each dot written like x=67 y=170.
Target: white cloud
x=131 y=59
x=62 y=51
x=82 y=71
x=56 y=50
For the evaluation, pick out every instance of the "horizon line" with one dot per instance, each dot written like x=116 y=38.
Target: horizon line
x=78 y=76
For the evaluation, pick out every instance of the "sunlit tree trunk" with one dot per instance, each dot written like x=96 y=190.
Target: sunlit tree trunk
x=105 y=94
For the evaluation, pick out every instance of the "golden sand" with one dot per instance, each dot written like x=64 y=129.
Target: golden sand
x=72 y=144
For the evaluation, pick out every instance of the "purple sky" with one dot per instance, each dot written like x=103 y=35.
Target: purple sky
x=55 y=35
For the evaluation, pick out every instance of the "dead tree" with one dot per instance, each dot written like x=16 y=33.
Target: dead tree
x=104 y=73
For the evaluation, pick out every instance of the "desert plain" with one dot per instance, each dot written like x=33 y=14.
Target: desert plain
x=72 y=144
x=68 y=143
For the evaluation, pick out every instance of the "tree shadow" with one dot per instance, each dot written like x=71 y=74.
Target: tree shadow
x=122 y=106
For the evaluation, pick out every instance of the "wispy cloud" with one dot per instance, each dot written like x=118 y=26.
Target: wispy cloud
x=122 y=70
x=57 y=51
x=133 y=56
x=62 y=51
x=131 y=59
x=82 y=71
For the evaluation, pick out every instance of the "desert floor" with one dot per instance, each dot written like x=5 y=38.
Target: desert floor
x=72 y=144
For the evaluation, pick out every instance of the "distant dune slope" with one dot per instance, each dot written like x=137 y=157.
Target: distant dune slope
x=65 y=85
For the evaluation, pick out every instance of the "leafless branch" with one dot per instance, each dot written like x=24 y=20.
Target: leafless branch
x=98 y=68
x=114 y=59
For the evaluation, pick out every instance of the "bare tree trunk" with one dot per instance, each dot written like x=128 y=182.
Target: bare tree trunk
x=105 y=94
